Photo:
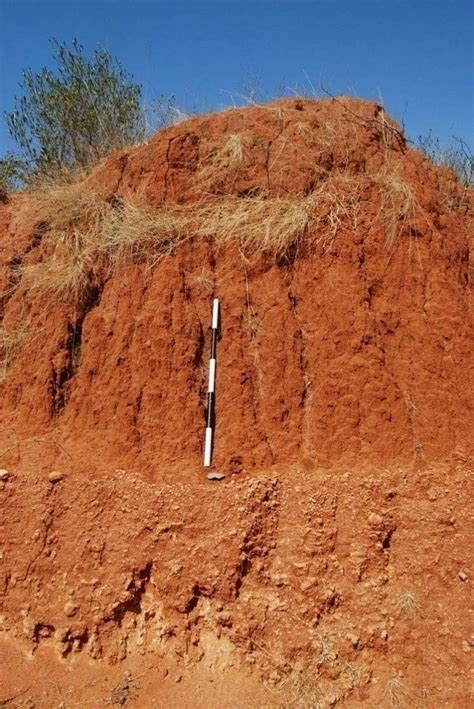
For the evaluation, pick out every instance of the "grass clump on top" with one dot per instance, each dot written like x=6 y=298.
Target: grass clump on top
x=80 y=228
x=223 y=163
x=84 y=231
x=75 y=223
x=271 y=225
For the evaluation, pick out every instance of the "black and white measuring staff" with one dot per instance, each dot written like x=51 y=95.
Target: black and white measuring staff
x=211 y=387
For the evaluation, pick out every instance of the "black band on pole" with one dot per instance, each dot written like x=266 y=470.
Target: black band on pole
x=213 y=342
x=210 y=409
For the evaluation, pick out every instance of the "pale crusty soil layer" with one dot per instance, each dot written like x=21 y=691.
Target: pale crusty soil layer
x=306 y=588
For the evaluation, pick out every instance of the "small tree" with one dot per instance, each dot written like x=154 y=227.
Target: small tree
x=69 y=118
x=12 y=169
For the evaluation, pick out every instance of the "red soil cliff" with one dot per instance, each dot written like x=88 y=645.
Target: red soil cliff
x=353 y=352
x=344 y=417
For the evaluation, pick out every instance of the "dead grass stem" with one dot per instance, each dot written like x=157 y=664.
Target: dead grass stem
x=408 y=603
x=11 y=342
x=76 y=222
x=398 y=696
x=222 y=166
x=397 y=206
x=336 y=205
x=265 y=224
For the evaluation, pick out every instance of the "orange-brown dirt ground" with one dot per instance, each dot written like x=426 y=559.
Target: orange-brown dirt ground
x=332 y=564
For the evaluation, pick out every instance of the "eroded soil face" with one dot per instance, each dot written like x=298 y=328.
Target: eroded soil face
x=352 y=350
x=331 y=564
x=305 y=586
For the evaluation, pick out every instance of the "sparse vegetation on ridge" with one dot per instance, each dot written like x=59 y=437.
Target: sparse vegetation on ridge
x=81 y=226
x=130 y=228
x=456 y=155
x=85 y=234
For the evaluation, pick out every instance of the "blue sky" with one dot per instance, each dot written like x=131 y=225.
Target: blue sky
x=416 y=54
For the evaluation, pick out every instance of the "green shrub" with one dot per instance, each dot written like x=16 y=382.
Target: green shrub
x=69 y=118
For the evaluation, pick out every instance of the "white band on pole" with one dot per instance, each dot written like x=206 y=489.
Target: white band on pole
x=212 y=375
x=215 y=314
x=208 y=447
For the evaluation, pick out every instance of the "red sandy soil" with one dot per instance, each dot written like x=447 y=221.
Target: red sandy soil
x=330 y=587
x=331 y=565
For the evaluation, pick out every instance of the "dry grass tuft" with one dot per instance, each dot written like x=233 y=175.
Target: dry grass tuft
x=134 y=229
x=76 y=228
x=81 y=227
x=299 y=690
x=254 y=224
x=11 y=342
x=67 y=205
x=395 y=693
x=325 y=133
x=353 y=673
x=399 y=697
x=65 y=277
x=233 y=150
x=337 y=205
x=222 y=166
x=265 y=224
x=398 y=202
x=327 y=653
x=204 y=279
x=408 y=603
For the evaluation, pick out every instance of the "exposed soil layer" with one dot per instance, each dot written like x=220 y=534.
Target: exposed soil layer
x=354 y=351
x=334 y=588
x=331 y=562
